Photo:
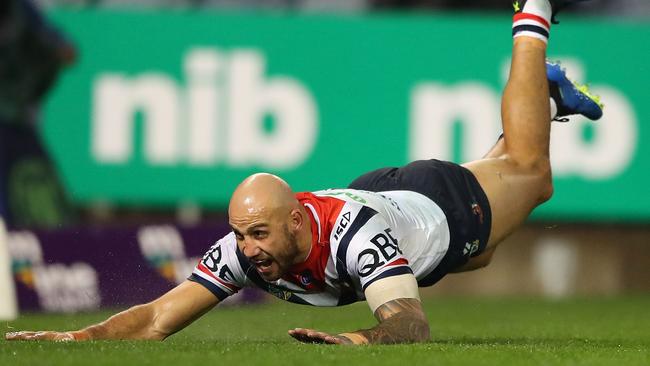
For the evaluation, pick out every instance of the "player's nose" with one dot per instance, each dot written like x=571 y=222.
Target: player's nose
x=250 y=249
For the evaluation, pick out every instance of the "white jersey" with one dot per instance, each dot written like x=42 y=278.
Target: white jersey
x=358 y=237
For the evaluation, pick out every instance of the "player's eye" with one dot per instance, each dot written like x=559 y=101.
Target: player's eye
x=259 y=234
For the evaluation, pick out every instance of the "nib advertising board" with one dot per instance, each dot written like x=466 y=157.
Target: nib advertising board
x=180 y=106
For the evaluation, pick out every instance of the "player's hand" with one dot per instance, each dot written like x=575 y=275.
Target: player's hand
x=314 y=336
x=41 y=336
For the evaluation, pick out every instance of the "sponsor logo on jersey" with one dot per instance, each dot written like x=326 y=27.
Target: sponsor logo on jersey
x=343 y=224
x=386 y=244
x=306 y=278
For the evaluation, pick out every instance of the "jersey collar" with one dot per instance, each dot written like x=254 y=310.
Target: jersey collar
x=310 y=274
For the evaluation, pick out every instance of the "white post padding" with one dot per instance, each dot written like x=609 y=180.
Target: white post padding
x=8 y=305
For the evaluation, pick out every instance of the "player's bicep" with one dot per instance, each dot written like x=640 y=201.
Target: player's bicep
x=389 y=289
x=375 y=255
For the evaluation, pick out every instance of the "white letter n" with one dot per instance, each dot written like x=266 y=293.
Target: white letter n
x=116 y=100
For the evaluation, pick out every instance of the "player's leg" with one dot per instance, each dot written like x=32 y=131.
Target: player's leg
x=520 y=179
x=567 y=98
x=498 y=150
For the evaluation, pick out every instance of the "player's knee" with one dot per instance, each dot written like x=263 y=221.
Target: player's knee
x=485 y=259
x=480 y=261
x=546 y=183
x=541 y=178
x=547 y=191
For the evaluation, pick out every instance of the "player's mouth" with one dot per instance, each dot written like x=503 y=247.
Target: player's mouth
x=263 y=266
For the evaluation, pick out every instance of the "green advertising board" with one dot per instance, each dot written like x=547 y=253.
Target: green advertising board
x=180 y=106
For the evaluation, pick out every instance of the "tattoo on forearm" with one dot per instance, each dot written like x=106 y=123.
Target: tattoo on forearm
x=401 y=321
x=411 y=306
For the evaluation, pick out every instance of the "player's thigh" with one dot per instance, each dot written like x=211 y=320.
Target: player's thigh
x=512 y=194
x=480 y=261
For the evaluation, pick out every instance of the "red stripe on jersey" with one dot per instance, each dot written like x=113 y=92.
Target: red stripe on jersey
x=521 y=16
x=201 y=267
x=311 y=273
x=398 y=262
x=328 y=210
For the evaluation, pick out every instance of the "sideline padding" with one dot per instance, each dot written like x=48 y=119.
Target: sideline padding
x=8 y=306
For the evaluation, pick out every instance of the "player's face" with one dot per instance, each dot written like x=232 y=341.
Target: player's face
x=268 y=244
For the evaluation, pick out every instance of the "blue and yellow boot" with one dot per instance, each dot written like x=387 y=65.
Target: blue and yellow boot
x=571 y=98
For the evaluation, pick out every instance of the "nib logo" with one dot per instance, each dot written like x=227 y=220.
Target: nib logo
x=218 y=116
x=606 y=152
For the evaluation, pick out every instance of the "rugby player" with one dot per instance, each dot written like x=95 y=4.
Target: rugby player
x=391 y=231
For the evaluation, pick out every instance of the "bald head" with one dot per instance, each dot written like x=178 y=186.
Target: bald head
x=271 y=226
x=262 y=193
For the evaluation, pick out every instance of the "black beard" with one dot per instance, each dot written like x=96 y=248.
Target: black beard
x=288 y=257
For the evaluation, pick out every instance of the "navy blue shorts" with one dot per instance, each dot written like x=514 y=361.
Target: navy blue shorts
x=456 y=191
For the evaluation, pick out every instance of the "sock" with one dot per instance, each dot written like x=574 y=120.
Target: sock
x=533 y=20
x=553 y=108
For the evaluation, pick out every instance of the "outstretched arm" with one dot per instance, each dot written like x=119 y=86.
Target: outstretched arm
x=400 y=315
x=156 y=320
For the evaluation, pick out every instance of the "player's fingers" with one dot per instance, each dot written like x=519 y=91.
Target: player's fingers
x=334 y=340
x=14 y=336
x=306 y=339
x=35 y=336
x=318 y=335
x=299 y=337
x=299 y=334
x=301 y=331
x=64 y=337
x=42 y=335
x=307 y=335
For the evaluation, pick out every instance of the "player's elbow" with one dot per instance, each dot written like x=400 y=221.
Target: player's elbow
x=158 y=331
x=424 y=335
x=155 y=335
x=403 y=327
x=419 y=331
x=150 y=334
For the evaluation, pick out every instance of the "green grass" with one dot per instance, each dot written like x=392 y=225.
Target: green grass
x=602 y=331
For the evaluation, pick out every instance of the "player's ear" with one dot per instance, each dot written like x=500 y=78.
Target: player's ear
x=296 y=219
